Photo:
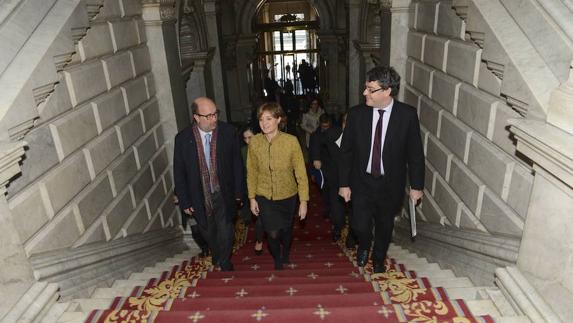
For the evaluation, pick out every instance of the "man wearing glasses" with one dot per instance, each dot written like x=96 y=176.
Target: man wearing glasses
x=380 y=143
x=209 y=180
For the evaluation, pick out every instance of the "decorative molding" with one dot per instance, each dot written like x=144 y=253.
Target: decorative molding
x=468 y=253
x=547 y=146
x=77 y=270
x=158 y=11
x=10 y=155
x=34 y=304
x=522 y=295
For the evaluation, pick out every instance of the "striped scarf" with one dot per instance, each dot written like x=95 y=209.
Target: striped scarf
x=209 y=179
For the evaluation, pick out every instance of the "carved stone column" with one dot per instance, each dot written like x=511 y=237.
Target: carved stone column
x=332 y=49
x=400 y=10
x=560 y=112
x=215 y=68
x=159 y=18
x=355 y=83
x=544 y=262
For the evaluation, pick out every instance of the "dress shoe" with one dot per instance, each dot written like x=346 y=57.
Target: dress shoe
x=204 y=253
x=379 y=267
x=362 y=258
x=278 y=265
x=227 y=266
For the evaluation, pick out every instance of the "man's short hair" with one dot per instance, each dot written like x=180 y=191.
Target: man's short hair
x=324 y=118
x=194 y=107
x=387 y=78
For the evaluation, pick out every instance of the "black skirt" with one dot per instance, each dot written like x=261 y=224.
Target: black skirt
x=276 y=214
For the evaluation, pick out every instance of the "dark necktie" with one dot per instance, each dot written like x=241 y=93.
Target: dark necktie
x=377 y=148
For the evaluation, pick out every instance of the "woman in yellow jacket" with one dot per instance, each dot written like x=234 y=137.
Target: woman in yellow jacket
x=276 y=174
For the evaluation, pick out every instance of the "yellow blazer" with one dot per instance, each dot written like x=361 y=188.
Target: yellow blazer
x=276 y=169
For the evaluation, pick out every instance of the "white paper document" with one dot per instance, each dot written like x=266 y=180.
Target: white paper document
x=413 y=217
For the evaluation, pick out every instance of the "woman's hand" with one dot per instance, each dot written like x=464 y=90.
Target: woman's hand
x=302 y=209
x=254 y=207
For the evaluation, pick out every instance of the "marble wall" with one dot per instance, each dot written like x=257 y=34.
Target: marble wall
x=475 y=182
x=96 y=166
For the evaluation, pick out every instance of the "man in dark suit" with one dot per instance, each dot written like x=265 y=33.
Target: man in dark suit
x=381 y=142
x=324 y=152
x=209 y=180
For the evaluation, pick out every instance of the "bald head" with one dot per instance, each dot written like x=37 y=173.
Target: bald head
x=205 y=113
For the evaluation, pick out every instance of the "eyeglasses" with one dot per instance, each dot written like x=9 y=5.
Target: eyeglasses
x=209 y=116
x=371 y=91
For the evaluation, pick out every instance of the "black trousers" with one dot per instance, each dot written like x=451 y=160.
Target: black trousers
x=336 y=204
x=371 y=209
x=219 y=232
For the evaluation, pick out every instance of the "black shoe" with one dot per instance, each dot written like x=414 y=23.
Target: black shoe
x=361 y=258
x=335 y=235
x=350 y=243
x=227 y=266
x=278 y=265
x=204 y=252
x=379 y=267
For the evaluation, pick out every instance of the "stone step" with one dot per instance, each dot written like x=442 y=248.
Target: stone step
x=466 y=293
x=73 y=317
x=483 y=307
x=512 y=319
x=108 y=292
x=89 y=304
x=451 y=282
x=129 y=283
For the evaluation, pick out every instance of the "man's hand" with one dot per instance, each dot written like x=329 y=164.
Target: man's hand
x=317 y=164
x=189 y=211
x=302 y=209
x=254 y=207
x=345 y=193
x=416 y=195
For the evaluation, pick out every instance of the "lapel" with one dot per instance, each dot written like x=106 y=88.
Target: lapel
x=392 y=126
x=368 y=115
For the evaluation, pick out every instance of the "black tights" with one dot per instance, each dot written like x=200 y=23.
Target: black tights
x=276 y=238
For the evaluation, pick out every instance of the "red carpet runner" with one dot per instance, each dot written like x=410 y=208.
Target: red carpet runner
x=320 y=284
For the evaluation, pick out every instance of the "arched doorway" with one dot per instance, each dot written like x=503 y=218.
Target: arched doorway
x=288 y=56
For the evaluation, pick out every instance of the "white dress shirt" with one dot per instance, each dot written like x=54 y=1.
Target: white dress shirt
x=385 y=120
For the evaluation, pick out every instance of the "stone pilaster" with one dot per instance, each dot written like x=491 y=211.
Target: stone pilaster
x=196 y=85
x=159 y=19
x=215 y=68
x=246 y=55
x=20 y=295
x=400 y=10
x=544 y=258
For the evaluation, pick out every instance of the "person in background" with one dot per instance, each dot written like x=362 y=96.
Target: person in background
x=246 y=212
x=209 y=178
x=276 y=176
x=310 y=120
x=324 y=154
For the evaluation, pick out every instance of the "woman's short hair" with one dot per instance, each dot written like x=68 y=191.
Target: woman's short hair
x=271 y=107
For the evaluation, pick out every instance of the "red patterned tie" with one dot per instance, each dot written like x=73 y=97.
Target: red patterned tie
x=377 y=148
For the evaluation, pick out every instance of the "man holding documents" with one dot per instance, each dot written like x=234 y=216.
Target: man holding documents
x=381 y=142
